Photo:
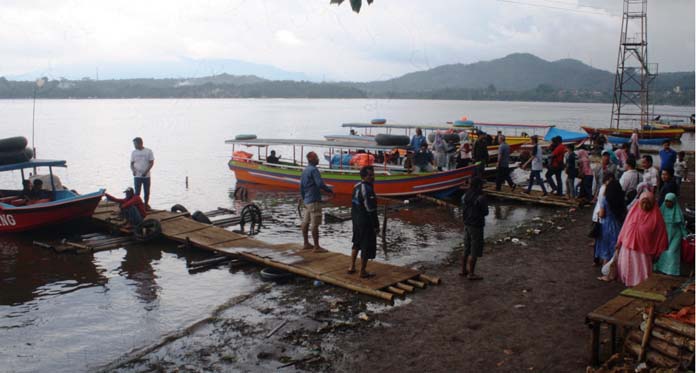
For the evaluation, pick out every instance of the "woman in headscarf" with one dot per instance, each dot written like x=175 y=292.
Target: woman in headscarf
x=464 y=154
x=586 y=174
x=612 y=212
x=633 y=147
x=440 y=152
x=670 y=260
x=642 y=239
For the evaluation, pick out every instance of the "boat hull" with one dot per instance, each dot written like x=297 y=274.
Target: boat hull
x=673 y=134
x=26 y=218
x=401 y=184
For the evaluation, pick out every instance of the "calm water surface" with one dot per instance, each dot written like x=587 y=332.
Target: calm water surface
x=66 y=312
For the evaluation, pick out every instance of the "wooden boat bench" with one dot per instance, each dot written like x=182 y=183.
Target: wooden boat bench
x=626 y=312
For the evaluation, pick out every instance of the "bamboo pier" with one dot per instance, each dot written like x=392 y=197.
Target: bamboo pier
x=534 y=196
x=329 y=267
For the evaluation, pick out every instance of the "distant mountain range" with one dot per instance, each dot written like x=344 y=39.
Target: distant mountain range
x=517 y=76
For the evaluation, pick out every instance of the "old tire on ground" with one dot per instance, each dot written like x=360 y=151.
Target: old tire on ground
x=274 y=274
x=391 y=140
x=178 y=208
x=147 y=230
x=201 y=218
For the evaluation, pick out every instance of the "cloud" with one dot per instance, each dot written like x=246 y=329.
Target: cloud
x=287 y=38
x=386 y=39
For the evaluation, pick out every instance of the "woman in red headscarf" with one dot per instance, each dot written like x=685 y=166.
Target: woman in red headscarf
x=641 y=241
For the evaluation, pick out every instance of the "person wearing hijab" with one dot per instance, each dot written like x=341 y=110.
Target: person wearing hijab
x=643 y=238
x=633 y=147
x=586 y=174
x=464 y=155
x=612 y=213
x=440 y=152
x=670 y=260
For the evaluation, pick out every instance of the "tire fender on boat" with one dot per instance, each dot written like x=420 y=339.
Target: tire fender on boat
x=147 y=230
x=178 y=208
x=200 y=217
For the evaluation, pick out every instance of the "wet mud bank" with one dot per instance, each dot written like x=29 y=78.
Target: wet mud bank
x=527 y=314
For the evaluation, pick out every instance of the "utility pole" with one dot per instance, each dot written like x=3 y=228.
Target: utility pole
x=633 y=72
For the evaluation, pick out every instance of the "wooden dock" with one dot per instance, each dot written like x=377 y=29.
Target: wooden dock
x=534 y=196
x=328 y=267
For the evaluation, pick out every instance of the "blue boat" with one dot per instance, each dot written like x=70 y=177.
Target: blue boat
x=626 y=140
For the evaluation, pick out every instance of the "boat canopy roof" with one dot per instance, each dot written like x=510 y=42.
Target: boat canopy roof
x=565 y=135
x=443 y=127
x=446 y=126
x=318 y=143
x=33 y=163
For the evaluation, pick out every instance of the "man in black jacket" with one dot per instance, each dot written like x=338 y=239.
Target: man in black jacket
x=474 y=211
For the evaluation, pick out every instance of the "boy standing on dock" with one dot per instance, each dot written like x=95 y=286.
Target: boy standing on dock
x=311 y=185
x=365 y=221
x=474 y=211
x=142 y=161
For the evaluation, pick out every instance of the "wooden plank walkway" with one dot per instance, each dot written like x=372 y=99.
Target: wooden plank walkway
x=535 y=196
x=627 y=312
x=328 y=267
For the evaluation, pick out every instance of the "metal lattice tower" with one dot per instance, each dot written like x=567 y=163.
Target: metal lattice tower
x=633 y=72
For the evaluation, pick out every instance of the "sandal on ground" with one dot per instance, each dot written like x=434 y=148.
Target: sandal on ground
x=350 y=271
x=367 y=275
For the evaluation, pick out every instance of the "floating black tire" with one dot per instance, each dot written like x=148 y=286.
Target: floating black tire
x=200 y=217
x=245 y=137
x=178 y=208
x=392 y=140
x=10 y=144
x=16 y=156
x=274 y=274
x=148 y=230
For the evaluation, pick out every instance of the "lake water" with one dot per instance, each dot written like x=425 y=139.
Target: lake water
x=66 y=312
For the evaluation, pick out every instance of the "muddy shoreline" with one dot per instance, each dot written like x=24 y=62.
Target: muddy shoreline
x=527 y=314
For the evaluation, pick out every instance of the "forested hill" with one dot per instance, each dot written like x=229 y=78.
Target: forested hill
x=514 y=77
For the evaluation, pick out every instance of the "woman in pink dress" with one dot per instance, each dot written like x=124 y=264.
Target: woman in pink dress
x=641 y=241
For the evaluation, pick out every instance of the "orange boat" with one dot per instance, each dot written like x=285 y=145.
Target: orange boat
x=389 y=180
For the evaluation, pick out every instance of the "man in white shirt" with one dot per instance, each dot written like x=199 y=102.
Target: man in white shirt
x=649 y=172
x=630 y=179
x=142 y=161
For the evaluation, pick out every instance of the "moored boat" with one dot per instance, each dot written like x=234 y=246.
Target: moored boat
x=671 y=133
x=390 y=180
x=18 y=214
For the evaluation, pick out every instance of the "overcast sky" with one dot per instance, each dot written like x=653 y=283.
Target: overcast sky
x=386 y=39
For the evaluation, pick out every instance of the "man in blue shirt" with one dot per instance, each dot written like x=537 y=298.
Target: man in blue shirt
x=417 y=140
x=311 y=185
x=667 y=157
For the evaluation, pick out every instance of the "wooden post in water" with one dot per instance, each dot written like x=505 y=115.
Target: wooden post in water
x=384 y=231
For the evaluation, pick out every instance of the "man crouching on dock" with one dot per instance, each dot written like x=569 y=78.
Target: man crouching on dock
x=132 y=207
x=365 y=221
x=311 y=185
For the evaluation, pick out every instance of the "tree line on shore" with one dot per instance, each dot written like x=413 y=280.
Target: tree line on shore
x=183 y=88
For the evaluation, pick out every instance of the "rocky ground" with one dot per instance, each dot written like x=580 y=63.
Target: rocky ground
x=528 y=314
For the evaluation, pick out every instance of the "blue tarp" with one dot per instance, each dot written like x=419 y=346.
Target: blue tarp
x=565 y=135
x=336 y=159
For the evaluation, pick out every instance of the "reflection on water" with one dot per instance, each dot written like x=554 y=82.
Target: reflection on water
x=137 y=266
